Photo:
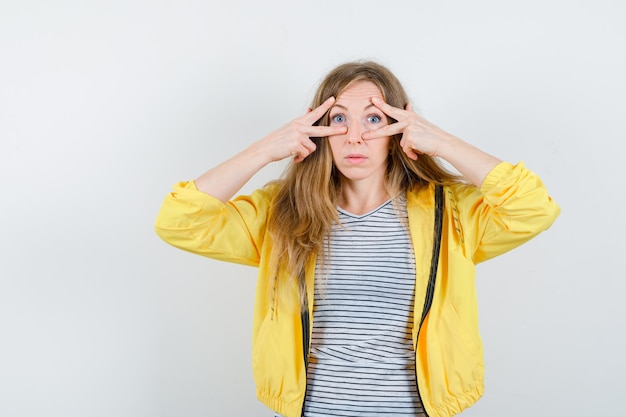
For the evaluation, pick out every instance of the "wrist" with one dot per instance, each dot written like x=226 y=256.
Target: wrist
x=256 y=154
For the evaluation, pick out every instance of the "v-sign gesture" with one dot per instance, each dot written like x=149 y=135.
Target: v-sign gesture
x=293 y=139
x=419 y=136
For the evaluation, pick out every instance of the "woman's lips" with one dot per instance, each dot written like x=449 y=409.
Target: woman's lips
x=355 y=158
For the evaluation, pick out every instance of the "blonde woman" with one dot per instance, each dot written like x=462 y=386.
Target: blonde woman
x=366 y=248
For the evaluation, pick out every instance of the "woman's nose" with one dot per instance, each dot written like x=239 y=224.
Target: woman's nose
x=355 y=133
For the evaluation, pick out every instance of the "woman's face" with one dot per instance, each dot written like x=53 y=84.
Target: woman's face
x=359 y=160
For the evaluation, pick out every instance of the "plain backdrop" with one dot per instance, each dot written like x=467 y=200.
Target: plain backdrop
x=104 y=105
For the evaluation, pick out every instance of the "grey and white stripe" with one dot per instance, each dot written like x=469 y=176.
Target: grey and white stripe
x=362 y=361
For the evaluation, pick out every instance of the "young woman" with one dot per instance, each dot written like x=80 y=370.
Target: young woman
x=366 y=248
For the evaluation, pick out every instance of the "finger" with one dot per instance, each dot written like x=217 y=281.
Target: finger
x=322 y=131
x=389 y=130
x=304 y=150
x=389 y=110
x=308 y=145
x=411 y=154
x=317 y=113
x=409 y=150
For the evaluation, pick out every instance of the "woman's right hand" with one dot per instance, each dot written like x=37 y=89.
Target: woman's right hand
x=293 y=139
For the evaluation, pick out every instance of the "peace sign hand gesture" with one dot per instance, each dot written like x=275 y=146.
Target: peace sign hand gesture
x=293 y=139
x=419 y=136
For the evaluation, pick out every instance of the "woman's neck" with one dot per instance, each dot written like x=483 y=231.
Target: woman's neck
x=359 y=198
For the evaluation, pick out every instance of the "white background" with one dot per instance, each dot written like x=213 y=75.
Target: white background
x=105 y=104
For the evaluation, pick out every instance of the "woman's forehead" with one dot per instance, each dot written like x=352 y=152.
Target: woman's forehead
x=361 y=90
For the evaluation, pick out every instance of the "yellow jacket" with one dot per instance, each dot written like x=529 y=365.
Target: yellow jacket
x=509 y=208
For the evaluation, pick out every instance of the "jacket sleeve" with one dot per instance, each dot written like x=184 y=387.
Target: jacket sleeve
x=199 y=223
x=511 y=207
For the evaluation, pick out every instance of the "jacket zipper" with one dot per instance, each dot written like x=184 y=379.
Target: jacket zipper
x=432 y=276
x=304 y=318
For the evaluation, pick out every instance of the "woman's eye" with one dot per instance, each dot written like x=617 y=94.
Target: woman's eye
x=338 y=118
x=374 y=119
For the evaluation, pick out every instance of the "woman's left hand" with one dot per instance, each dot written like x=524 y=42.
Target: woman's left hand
x=418 y=134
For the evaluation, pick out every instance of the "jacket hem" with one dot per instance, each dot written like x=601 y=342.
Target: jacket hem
x=456 y=404
x=293 y=409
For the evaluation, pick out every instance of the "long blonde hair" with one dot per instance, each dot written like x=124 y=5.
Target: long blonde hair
x=305 y=205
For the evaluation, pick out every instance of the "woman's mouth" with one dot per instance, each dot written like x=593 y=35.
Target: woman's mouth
x=355 y=158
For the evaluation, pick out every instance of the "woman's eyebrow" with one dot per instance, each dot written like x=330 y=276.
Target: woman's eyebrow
x=345 y=108
x=369 y=106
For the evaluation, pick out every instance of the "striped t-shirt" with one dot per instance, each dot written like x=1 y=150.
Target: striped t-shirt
x=362 y=361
